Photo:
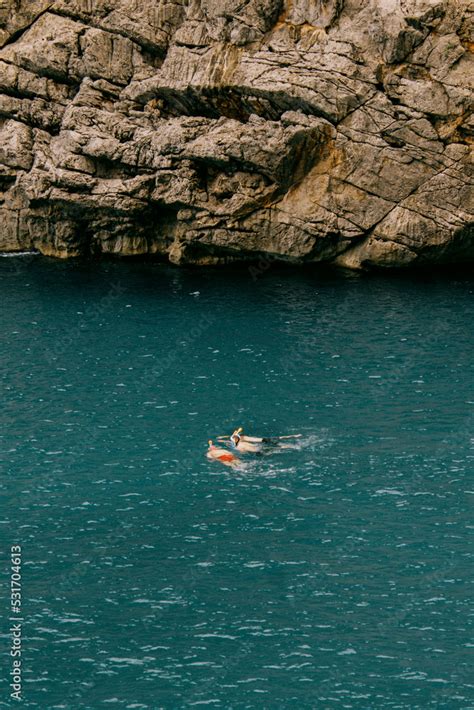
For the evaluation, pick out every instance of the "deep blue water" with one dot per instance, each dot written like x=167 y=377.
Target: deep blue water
x=333 y=574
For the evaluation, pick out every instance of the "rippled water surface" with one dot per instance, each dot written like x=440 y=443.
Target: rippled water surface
x=332 y=574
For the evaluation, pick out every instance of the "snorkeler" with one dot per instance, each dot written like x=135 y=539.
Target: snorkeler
x=255 y=444
x=245 y=445
x=214 y=453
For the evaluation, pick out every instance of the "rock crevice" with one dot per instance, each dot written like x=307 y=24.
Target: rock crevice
x=208 y=131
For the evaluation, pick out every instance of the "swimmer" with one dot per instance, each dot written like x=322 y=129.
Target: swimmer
x=255 y=444
x=214 y=453
x=245 y=445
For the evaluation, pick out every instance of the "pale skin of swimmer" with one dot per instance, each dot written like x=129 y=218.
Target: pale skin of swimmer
x=244 y=439
x=252 y=439
x=222 y=455
x=247 y=445
x=258 y=439
x=253 y=444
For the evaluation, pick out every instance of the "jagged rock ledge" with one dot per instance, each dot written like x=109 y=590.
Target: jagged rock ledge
x=209 y=131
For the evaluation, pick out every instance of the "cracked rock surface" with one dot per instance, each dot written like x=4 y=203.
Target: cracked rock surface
x=208 y=131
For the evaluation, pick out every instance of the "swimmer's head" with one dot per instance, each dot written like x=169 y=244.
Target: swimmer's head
x=209 y=443
x=235 y=438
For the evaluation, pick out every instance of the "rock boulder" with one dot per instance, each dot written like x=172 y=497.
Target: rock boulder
x=210 y=131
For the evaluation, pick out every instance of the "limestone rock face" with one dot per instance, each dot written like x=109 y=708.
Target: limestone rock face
x=209 y=131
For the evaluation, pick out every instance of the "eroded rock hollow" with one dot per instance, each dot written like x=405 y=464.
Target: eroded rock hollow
x=208 y=131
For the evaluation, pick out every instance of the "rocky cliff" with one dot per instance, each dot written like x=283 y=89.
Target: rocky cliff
x=212 y=130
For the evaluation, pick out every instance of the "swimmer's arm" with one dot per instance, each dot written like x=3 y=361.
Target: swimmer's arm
x=252 y=439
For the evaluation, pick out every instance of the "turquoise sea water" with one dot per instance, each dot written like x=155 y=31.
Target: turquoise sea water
x=334 y=574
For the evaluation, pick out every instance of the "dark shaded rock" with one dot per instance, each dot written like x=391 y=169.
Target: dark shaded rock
x=208 y=131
